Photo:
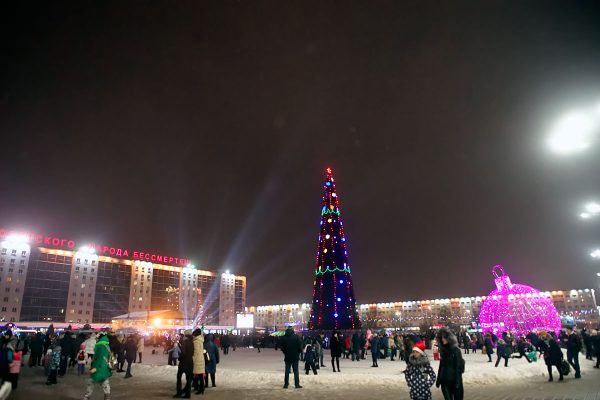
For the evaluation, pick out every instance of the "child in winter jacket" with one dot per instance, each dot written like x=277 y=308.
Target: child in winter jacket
x=81 y=361
x=15 y=369
x=419 y=374
x=310 y=360
x=54 y=364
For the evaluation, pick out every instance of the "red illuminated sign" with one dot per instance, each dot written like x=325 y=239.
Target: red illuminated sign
x=69 y=244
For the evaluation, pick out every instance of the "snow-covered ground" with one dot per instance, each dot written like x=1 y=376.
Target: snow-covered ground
x=247 y=374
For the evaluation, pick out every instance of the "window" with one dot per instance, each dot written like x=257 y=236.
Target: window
x=87 y=313
x=22 y=262
x=93 y=263
x=73 y=303
x=3 y=251
x=14 y=252
x=12 y=261
x=3 y=308
x=83 y=285
x=7 y=290
x=10 y=270
x=85 y=261
x=80 y=312
x=5 y=299
x=76 y=268
x=20 y=271
x=23 y=253
x=79 y=261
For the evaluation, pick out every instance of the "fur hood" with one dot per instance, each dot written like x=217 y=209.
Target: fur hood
x=449 y=335
x=418 y=362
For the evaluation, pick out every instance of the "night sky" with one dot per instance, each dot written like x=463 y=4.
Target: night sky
x=203 y=129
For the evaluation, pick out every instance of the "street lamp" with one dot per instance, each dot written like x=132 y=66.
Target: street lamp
x=590 y=210
x=595 y=253
x=574 y=132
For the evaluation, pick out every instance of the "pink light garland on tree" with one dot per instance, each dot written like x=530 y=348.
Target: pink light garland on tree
x=516 y=308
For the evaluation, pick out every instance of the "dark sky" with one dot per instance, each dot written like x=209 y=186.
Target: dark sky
x=203 y=129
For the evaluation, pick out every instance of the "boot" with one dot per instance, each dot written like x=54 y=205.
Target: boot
x=333 y=365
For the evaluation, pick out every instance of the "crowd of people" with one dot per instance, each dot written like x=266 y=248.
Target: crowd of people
x=197 y=354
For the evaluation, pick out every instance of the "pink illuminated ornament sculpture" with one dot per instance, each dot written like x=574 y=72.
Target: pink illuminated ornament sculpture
x=515 y=308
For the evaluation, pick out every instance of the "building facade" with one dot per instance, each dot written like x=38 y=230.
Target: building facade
x=575 y=307
x=45 y=278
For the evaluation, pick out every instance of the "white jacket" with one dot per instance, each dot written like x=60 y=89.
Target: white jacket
x=89 y=344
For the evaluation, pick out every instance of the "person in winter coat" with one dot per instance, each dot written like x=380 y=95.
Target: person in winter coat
x=451 y=366
x=553 y=355
x=595 y=340
x=199 y=363
x=6 y=354
x=391 y=347
x=336 y=350
x=291 y=346
x=355 y=347
x=140 y=347
x=375 y=349
x=100 y=372
x=81 y=356
x=523 y=347
x=14 y=369
x=36 y=347
x=89 y=346
x=117 y=348
x=55 y=357
x=310 y=360
x=489 y=346
x=186 y=365
x=174 y=352
x=587 y=341
x=212 y=359
x=129 y=352
x=466 y=342
x=321 y=340
x=573 y=349
x=418 y=374
x=501 y=350
x=347 y=346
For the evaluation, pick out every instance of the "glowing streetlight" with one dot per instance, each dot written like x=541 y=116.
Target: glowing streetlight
x=595 y=253
x=573 y=133
x=590 y=210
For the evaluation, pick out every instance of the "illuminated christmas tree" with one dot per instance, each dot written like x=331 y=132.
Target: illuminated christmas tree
x=333 y=305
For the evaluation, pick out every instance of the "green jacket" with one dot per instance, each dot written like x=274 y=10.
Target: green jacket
x=100 y=361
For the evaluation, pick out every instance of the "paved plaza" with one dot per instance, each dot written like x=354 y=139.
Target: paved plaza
x=247 y=374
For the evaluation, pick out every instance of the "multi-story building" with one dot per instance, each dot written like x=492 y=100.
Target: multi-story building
x=47 y=278
x=575 y=307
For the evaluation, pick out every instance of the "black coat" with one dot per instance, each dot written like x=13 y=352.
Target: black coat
x=489 y=346
x=291 y=345
x=450 y=369
x=552 y=352
x=36 y=345
x=335 y=346
x=130 y=348
x=186 y=357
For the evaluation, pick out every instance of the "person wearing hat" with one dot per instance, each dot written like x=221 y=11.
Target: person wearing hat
x=418 y=374
x=553 y=355
x=199 y=362
x=291 y=346
x=451 y=367
x=100 y=369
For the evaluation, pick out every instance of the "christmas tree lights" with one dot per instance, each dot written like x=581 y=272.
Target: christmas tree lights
x=517 y=308
x=333 y=305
